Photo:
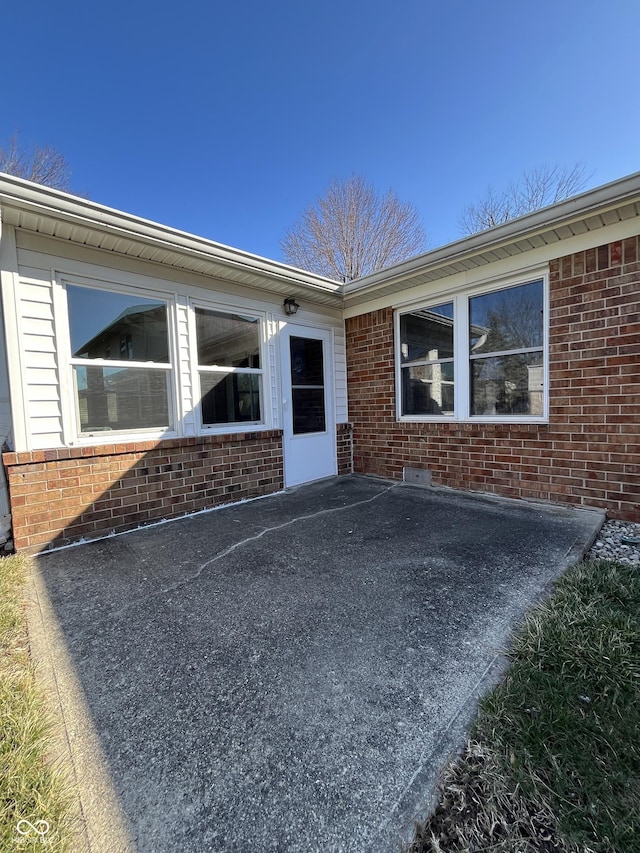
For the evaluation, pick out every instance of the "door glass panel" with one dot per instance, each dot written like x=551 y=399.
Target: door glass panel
x=307 y=385
x=308 y=410
x=306 y=362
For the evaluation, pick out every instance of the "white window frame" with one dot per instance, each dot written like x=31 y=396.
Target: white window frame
x=261 y=372
x=462 y=357
x=72 y=415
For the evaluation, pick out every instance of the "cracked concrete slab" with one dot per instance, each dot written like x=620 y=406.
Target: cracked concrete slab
x=287 y=674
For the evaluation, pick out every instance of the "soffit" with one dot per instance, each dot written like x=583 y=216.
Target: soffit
x=107 y=230
x=548 y=228
x=67 y=218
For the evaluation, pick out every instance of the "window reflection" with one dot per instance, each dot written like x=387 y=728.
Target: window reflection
x=506 y=335
x=121 y=398
x=106 y=326
x=116 y=326
x=229 y=366
x=506 y=319
x=227 y=340
x=426 y=349
x=511 y=385
x=229 y=397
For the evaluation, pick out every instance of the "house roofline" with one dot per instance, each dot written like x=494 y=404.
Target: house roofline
x=579 y=209
x=47 y=205
x=55 y=213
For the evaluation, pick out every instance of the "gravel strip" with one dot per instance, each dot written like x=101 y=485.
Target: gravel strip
x=617 y=540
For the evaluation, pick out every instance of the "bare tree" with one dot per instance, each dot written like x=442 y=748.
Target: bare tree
x=43 y=164
x=352 y=231
x=535 y=189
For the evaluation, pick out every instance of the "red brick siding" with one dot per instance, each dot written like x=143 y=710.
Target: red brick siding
x=60 y=496
x=589 y=452
x=344 y=436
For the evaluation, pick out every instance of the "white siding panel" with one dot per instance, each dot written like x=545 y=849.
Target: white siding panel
x=46 y=440
x=273 y=372
x=34 y=274
x=37 y=310
x=340 y=375
x=44 y=409
x=186 y=403
x=41 y=378
x=46 y=425
x=35 y=326
x=42 y=392
x=41 y=360
x=35 y=293
x=38 y=343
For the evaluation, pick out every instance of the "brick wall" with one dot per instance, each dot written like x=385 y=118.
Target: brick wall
x=589 y=452
x=344 y=437
x=60 y=496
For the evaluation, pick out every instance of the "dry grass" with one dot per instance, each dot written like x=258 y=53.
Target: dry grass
x=31 y=789
x=554 y=764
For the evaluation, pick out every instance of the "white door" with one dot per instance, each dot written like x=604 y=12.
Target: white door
x=307 y=390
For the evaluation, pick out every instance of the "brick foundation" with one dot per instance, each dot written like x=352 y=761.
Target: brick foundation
x=344 y=437
x=61 y=496
x=589 y=452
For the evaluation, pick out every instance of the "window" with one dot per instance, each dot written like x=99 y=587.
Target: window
x=505 y=350
x=229 y=367
x=426 y=350
x=477 y=356
x=120 y=360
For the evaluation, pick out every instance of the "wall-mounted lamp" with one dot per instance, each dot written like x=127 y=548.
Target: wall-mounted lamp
x=290 y=306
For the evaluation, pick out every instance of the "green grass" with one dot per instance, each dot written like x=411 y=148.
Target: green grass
x=31 y=789
x=554 y=761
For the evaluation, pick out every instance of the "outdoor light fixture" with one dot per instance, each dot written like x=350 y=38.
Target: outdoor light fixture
x=290 y=306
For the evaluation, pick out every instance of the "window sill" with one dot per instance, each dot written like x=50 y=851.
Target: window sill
x=97 y=439
x=435 y=419
x=228 y=429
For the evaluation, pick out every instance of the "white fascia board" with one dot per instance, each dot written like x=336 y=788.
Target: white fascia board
x=29 y=197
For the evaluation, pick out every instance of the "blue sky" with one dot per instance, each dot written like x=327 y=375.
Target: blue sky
x=228 y=119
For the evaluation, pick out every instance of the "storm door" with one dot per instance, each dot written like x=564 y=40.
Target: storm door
x=309 y=422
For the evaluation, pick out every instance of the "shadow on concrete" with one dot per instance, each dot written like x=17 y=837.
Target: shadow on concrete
x=290 y=674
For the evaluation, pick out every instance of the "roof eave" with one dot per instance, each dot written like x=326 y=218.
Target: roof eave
x=579 y=208
x=19 y=196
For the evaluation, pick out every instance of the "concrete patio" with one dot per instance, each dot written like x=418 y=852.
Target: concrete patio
x=287 y=674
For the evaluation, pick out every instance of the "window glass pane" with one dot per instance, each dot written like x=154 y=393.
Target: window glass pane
x=427 y=334
x=117 y=326
x=506 y=319
x=306 y=361
x=510 y=385
x=227 y=340
x=428 y=389
x=308 y=410
x=229 y=398
x=121 y=398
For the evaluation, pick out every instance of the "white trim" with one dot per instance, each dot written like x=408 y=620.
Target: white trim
x=263 y=372
x=462 y=356
x=73 y=435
